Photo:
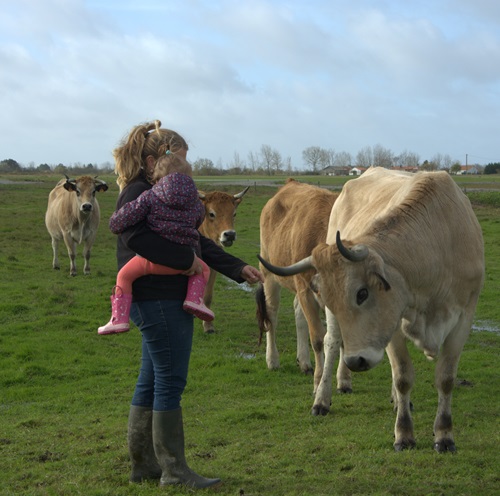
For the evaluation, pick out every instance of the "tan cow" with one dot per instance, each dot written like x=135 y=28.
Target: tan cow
x=292 y=223
x=403 y=259
x=73 y=216
x=220 y=211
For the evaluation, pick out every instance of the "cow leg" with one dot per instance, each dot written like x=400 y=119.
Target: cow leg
x=208 y=327
x=403 y=376
x=332 y=342
x=303 y=356
x=446 y=373
x=55 y=249
x=344 y=381
x=86 y=257
x=272 y=291
x=71 y=246
x=311 y=311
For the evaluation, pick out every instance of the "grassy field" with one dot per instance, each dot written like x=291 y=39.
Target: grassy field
x=65 y=391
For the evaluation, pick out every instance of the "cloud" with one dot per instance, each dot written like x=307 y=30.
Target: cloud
x=232 y=76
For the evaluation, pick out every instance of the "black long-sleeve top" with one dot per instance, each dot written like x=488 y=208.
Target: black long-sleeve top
x=139 y=239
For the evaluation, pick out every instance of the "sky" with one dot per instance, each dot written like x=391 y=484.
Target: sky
x=232 y=76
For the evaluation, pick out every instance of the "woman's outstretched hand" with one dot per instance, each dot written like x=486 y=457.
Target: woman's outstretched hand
x=251 y=274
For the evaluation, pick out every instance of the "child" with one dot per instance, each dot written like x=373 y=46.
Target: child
x=173 y=209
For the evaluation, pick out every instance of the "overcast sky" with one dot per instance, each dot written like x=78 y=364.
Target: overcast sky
x=231 y=76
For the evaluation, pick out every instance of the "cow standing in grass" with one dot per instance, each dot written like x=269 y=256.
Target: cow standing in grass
x=220 y=211
x=403 y=260
x=73 y=216
x=292 y=223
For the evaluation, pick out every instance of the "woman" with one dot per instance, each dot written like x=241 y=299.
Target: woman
x=155 y=427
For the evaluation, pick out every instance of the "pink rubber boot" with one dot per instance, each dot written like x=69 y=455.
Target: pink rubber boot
x=120 y=313
x=194 y=299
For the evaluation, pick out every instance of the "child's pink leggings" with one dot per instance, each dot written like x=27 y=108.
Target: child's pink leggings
x=139 y=266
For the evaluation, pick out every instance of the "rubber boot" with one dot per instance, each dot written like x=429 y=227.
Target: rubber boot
x=168 y=441
x=194 y=299
x=120 y=313
x=140 y=445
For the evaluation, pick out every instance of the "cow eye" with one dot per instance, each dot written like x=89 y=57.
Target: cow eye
x=211 y=215
x=361 y=296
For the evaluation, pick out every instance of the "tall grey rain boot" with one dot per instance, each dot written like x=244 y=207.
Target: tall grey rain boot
x=140 y=445
x=168 y=441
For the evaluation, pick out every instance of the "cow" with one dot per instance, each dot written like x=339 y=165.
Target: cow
x=220 y=211
x=403 y=260
x=292 y=223
x=73 y=215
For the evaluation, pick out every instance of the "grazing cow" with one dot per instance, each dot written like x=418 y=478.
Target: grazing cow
x=220 y=211
x=292 y=223
x=409 y=265
x=73 y=215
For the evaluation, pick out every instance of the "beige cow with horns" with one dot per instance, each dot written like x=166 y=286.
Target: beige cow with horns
x=403 y=260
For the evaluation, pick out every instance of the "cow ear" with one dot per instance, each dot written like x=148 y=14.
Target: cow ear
x=385 y=285
x=102 y=187
x=69 y=186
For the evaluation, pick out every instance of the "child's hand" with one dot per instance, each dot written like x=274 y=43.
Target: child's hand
x=196 y=268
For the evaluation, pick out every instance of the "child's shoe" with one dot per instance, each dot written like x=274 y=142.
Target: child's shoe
x=120 y=313
x=194 y=299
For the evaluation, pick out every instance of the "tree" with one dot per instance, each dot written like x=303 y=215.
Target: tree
x=455 y=168
x=271 y=160
x=204 y=167
x=382 y=157
x=492 y=168
x=342 y=159
x=364 y=158
x=9 y=165
x=43 y=168
x=314 y=157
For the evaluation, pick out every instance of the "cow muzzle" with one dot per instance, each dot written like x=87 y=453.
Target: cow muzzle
x=365 y=360
x=86 y=207
x=227 y=238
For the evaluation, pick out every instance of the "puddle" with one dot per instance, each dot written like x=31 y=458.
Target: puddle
x=485 y=325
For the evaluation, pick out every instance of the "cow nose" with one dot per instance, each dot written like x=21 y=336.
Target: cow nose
x=87 y=207
x=227 y=238
x=357 y=363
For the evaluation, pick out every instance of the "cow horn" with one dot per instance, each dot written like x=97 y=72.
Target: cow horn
x=68 y=180
x=357 y=255
x=201 y=195
x=291 y=270
x=241 y=193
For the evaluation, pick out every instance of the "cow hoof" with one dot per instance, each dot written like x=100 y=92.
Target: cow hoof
x=320 y=410
x=344 y=390
x=56 y=268
x=404 y=445
x=445 y=445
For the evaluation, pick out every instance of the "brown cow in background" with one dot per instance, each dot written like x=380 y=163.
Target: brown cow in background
x=73 y=215
x=220 y=211
x=292 y=223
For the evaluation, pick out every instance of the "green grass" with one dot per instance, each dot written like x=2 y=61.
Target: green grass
x=65 y=391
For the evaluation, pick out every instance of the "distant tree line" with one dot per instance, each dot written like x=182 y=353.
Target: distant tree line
x=269 y=161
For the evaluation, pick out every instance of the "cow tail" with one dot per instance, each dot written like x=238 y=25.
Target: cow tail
x=261 y=312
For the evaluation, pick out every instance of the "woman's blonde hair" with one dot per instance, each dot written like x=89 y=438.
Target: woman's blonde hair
x=168 y=163
x=144 y=140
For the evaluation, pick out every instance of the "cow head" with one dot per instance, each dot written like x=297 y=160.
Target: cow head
x=220 y=211
x=353 y=283
x=85 y=188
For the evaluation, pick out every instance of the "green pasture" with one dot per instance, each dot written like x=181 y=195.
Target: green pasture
x=65 y=391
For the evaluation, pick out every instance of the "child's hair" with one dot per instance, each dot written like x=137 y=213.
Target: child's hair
x=144 y=140
x=168 y=163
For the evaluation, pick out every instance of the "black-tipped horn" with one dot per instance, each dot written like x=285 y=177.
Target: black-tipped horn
x=357 y=255
x=239 y=195
x=201 y=195
x=291 y=270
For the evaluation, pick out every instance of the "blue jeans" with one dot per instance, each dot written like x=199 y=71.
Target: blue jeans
x=167 y=338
